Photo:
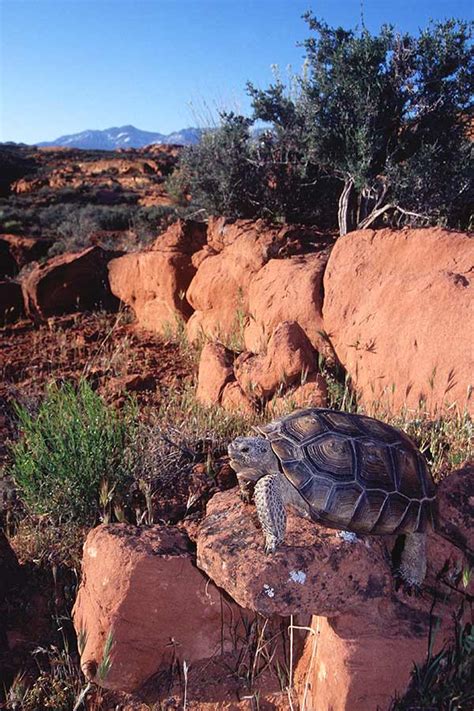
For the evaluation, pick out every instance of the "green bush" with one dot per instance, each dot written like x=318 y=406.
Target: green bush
x=221 y=171
x=70 y=461
x=374 y=130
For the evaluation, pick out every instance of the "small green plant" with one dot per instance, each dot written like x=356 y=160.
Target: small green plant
x=70 y=452
x=445 y=681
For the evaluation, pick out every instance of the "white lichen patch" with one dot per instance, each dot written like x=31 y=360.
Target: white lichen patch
x=348 y=536
x=297 y=576
x=270 y=592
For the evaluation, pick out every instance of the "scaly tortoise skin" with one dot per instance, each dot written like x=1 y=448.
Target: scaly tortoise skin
x=354 y=472
x=341 y=470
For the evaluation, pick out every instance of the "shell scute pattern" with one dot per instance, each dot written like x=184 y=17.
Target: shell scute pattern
x=286 y=450
x=317 y=492
x=303 y=428
x=375 y=470
x=300 y=474
x=341 y=503
x=333 y=456
x=354 y=472
x=367 y=511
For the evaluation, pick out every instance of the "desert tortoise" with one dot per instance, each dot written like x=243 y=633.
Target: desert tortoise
x=344 y=471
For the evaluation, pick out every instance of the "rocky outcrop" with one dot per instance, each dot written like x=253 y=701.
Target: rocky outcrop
x=236 y=252
x=286 y=374
x=397 y=308
x=215 y=372
x=11 y=302
x=347 y=665
x=16 y=251
x=289 y=358
x=69 y=283
x=287 y=290
x=360 y=622
x=154 y=283
x=142 y=593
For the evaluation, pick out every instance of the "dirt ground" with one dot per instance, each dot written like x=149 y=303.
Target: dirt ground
x=106 y=348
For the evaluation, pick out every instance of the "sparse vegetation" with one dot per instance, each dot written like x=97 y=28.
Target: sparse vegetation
x=445 y=681
x=69 y=462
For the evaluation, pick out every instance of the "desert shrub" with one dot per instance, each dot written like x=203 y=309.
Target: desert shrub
x=70 y=459
x=221 y=172
x=374 y=129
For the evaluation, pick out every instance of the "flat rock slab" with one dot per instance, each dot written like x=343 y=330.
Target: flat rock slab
x=330 y=573
x=316 y=571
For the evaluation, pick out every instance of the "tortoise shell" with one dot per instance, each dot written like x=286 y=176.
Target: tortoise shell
x=354 y=472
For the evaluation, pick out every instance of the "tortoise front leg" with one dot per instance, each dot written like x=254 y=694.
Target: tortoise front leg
x=270 y=510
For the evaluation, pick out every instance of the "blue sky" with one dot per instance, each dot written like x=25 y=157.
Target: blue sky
x=161 y=65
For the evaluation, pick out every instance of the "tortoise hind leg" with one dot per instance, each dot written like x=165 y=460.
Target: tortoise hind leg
x=413 y=563
x=270 y=510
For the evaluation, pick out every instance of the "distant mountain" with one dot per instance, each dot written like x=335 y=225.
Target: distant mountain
x=124 y=137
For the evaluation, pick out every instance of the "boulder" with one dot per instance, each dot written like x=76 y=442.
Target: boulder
x=215 y=371
x=154 y=285
x=312 y=393
x=184 y=236
x=347 y=666
x=365 y=633
x=219 y=292
x=68 y=283
x=287 y=290
x=234 y=399
x=397 y=306
x=141 y=591
x=17 y=250
x=314 y=572
x=289 y=359
x=154 y=282
x=11 y=302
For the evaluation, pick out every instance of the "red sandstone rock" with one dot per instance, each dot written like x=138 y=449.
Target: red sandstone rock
x=140 y=586
x=233 y=399
x=11 y=302
x=198 y=257
x=17 y=250
x=315 y=571
x=287 y=290
x=361 y=656
x=397 y=307
x=215 y=371
x=356 y=668
x=219 y=291
x=312 y=393
x=154 y=285
x=185 y=237
x=288 y=360
x=68 y=283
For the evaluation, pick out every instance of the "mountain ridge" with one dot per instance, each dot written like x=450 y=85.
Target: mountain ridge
x=123 y=137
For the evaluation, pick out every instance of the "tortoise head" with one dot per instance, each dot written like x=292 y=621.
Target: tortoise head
x=252 y=453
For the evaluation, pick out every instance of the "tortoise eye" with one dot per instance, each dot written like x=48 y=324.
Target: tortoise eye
x=244 y=449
